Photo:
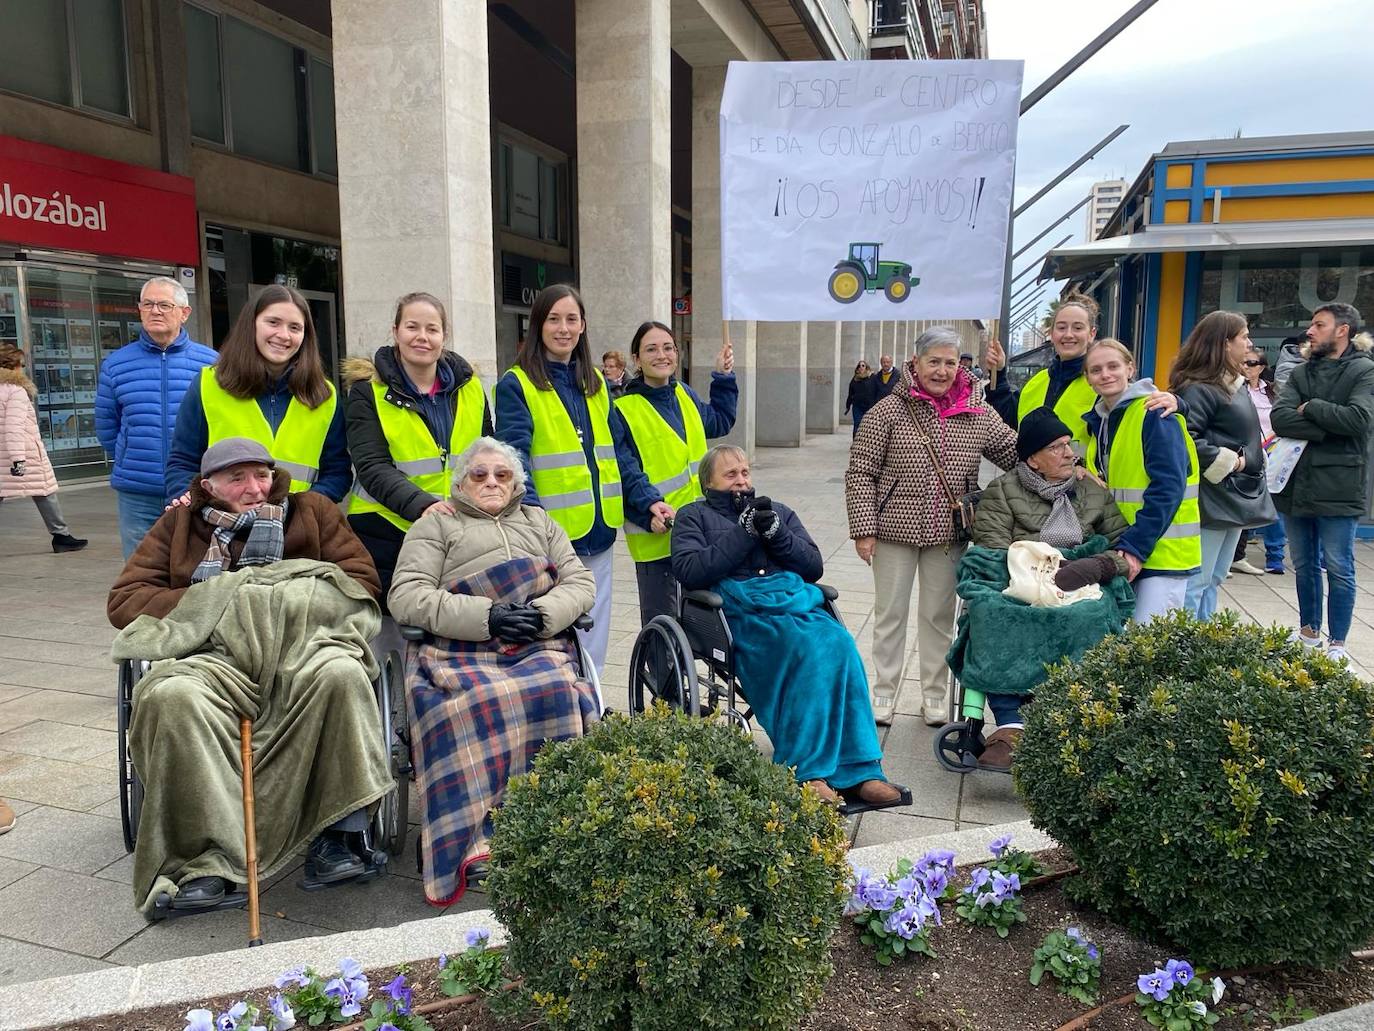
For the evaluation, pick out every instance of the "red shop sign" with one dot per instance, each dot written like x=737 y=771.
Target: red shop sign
x=57 y=198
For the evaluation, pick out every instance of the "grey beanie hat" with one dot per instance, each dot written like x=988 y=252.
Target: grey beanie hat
x=234 y=451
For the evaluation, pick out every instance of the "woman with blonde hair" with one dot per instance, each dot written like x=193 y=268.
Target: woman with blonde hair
x=1149 y=463
x=1234 y=496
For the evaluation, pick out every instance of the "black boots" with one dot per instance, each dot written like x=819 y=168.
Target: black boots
x=330 y=860
x=66 y=542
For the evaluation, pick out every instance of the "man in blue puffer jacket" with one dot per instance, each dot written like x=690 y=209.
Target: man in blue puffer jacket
x=140 y=389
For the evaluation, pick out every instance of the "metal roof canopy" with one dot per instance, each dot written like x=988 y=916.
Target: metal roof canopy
x=1082 y=259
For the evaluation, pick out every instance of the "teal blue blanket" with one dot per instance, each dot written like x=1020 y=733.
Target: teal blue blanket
x=802 y=674
x=1001 y=645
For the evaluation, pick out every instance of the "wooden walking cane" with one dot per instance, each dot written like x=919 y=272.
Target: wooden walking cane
x=250 y=833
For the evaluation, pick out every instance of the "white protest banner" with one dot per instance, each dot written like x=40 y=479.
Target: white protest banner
x=866 y=190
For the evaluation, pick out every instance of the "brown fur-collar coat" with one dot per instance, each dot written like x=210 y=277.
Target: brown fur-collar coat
x=159 y=571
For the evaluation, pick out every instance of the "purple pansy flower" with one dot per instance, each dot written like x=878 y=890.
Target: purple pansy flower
x=400 y=994
x=296 y=977
x=229 y=1019
x=999 y=845
x=1179 y=970
x=477 y=938
x=283 y=1017
x=1092 y=951
x=1158 y=985
x=200 y=1020
x=346 y=994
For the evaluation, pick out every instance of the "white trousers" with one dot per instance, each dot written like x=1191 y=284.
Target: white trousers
x=598 y=639
x=1156 y=595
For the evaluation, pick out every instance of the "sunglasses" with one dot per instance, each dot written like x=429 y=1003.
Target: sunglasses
x=1250 y=363
x=481 y=474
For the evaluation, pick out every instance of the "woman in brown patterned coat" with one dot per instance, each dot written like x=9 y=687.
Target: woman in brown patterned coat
x=900 y=514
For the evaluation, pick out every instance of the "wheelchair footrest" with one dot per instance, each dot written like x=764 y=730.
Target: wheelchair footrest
x=372 y=869
x=854 y=805
x=162 y=907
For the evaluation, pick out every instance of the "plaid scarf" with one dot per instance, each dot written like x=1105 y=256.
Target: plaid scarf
x=266 y=538
x=1062 y=529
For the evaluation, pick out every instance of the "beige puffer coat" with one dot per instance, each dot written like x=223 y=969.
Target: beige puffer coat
x=19 y=440
x=440 y=548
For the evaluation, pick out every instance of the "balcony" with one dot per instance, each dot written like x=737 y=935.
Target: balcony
x=894 y=31
x=811 y=30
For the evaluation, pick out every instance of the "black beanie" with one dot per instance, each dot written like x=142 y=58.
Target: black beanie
x=1040 y=428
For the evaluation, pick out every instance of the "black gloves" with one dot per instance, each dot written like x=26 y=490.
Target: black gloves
x=759 y=519
x=516 y=624
x=17 y=468
x=1092 y=569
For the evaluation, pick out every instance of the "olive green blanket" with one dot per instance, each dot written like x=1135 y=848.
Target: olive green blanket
x=1001 y=646
x=287 y=646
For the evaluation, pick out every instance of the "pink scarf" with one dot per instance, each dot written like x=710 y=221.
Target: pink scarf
x=957 y=400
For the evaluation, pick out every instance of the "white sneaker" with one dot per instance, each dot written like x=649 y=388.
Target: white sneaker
x=1337 y=653
x=1243 y=566
x=884 y=707
x=1298 y=637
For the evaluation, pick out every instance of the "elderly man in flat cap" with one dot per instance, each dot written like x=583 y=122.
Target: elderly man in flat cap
x=260 y=603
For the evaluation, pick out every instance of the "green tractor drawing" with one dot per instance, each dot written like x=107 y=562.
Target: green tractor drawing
x=862 y=272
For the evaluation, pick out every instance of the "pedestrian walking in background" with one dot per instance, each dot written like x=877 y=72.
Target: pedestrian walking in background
x=269 y=386
x=1259 y=383
x=1148 y=462
x=411 y=410
x=25 y=471
x=884 y=381
x=1234 y=493
x=554 y=408
x=613 y=369
x=136 y=401
x=667 y=427
x=1328 y=401
x=857 y=400
x=918 y=451
x=1292 y=353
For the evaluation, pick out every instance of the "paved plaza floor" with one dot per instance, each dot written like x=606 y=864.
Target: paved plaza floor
x=65 y=899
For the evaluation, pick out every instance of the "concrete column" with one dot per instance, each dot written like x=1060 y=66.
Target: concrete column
x=708 y=83
x=171 y=101
x=824 y=387
x=414 y=131
x=781 y=389
x=851 y=351
x=624 y=199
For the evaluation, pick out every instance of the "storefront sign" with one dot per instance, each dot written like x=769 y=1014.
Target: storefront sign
x=59 y=199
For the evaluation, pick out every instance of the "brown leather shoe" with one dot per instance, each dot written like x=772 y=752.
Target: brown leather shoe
x=1000 y=747
x=828 y=794
x=878 y=792
x=6 y=816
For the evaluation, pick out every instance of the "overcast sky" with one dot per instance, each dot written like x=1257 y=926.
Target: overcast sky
x=1184 y=70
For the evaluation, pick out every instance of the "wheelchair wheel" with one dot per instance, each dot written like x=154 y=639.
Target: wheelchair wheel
x=662 y=666
x=393 y=814
x=130 y=787
x=958 y=745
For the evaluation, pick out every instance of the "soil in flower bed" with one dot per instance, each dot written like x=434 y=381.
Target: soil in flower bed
x=977 y=983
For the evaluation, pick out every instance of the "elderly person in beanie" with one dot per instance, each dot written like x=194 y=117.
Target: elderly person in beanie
x=1044 y=498
x=264 y=602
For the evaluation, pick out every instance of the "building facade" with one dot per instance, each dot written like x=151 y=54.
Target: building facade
x=1103 y=199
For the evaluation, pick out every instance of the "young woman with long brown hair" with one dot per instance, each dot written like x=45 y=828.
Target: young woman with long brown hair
x=1225 y=428
x=268 y=385
x=553 y=407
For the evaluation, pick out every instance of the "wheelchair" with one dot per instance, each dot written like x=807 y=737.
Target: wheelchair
x=586 y=670
x=385 y=835
x=689 y=663
x=961 y=740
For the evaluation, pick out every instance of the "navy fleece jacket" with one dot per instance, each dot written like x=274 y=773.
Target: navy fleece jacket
x=515 y=426
x=1166 y=464
x=717 y=419
x=1005 y=400
x=192 y=437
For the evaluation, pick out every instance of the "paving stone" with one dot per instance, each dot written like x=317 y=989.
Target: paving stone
x=71 y=911
x=23 y=961
x=121 y=870
x=384 y=902
x=1360 y=1018
x=58 y=707
x=8 y=693
x=989 y=798
x=205 y=934
x=26 y=673
x=78 y=842
x=49 y=740
x=52 y=782
x=52 y=651
x=11 y=869
x=887 y=825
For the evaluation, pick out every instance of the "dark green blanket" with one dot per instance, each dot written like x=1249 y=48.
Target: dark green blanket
x=1001 y=646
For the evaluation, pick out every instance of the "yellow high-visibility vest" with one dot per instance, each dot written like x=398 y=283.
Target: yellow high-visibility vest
x=1076 y=401
x=413 y=450
x=1179 y=549
x=296 y=446
x=668 y=461
x=558 y=465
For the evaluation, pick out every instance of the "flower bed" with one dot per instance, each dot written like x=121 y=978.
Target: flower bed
x=977 y=979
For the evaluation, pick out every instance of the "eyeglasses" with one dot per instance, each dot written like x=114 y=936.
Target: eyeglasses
x=1063 y=449
x=481 y=474
x=162 y=307
x=1251 y=363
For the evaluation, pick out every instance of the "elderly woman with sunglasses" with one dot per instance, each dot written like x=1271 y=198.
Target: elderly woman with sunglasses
x=495 y=583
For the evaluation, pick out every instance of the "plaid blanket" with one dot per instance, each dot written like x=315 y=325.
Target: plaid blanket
x=479 y=713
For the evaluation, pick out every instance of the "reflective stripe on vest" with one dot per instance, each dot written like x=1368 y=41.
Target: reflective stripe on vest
x=413 y=451
x=668 y=461
x=1076 y=401
x=298 y=442
x=558 y=465
x=1179 y=548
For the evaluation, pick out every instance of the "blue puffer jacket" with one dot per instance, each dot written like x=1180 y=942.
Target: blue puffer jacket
x=136 y=402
